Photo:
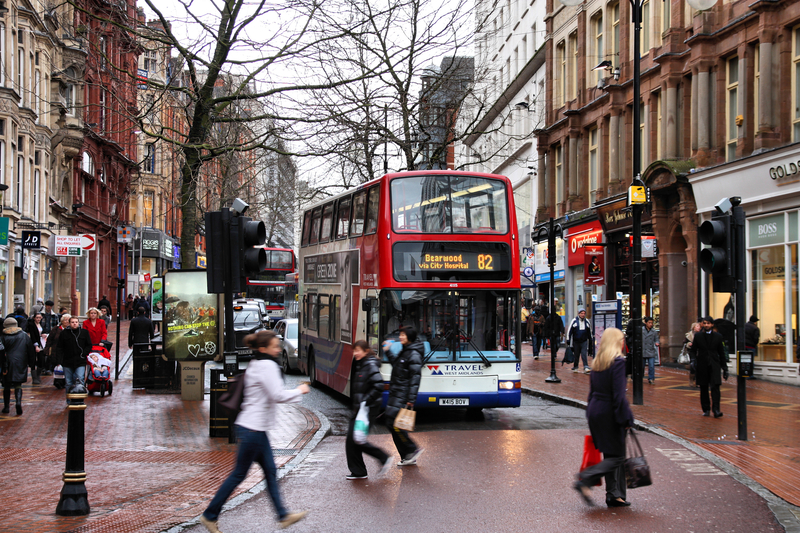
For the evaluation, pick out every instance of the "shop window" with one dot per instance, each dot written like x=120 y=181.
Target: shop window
x=769 y=293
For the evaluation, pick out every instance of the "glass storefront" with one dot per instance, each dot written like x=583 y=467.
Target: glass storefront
x=769 y=300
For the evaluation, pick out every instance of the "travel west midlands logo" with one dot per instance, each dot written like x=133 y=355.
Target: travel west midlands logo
x=435 y=370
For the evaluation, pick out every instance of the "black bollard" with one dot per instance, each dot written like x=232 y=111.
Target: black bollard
x=74 y=499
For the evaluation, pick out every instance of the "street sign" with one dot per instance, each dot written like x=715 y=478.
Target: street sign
x=4 y=231
x=125 y=234
x=88 y=241
x=68 y=245
x=31 y=240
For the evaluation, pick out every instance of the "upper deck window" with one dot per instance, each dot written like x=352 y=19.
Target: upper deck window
x=327 y=218
x=315 y=223
x=372 y=209
x=343 y=218
x=280 y=260
x=449 y=204
x=306 y=228
x=359 y=203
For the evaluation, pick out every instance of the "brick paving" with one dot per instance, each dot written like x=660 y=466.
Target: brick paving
x=771 y=456
x=149 y=461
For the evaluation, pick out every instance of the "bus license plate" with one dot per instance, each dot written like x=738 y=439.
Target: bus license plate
x=453 y=401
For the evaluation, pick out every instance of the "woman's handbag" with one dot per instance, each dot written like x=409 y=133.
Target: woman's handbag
x=683 y=358
x=361 y=426
x=406 y=419
x=637 y=471
x=591 y=455
x=231 y=400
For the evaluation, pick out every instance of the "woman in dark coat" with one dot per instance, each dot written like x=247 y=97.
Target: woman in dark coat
x=17 y=357
x=609 y=416
x=403 y=387
x=34 y=331
x=74 y=345
x=367 y=386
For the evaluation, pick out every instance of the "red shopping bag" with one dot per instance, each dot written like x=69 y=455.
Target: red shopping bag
x=591 y=455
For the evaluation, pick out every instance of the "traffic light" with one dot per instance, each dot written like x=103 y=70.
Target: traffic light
x=720 y=258
x=247 y=255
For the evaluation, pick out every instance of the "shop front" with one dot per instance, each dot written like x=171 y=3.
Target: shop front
x=580 y=294
x=153 y=252
x=542 y=276
x=769 y=186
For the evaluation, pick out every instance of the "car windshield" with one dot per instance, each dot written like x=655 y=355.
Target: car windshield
x=291 y=331
x=449 y=204
x=470 y=325
x=246 y=318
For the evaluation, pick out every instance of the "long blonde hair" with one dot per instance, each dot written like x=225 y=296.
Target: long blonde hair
x=610 y=348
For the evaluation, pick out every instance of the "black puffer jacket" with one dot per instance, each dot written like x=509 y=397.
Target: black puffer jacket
x=18 y=356
x=406 y=373
x=73 y=347
x=367 y=383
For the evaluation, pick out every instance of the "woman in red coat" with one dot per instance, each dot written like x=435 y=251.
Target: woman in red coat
x=96 y=327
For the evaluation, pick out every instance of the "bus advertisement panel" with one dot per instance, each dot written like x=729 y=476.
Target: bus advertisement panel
x=436 y=250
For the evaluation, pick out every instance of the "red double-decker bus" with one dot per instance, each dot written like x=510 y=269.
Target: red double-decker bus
x=434 y=249
x=270 y=285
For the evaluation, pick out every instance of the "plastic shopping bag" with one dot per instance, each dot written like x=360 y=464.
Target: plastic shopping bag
x=361 y=427
x=591 y=455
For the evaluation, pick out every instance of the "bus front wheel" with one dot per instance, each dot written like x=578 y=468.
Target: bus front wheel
x=312 y=371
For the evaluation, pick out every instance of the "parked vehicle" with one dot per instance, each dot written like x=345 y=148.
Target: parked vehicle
x=247 y=319
x=287 y=331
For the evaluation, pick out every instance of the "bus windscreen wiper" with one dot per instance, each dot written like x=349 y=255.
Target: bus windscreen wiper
x=475 y=347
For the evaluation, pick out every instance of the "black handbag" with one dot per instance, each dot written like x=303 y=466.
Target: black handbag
x=231 y=400
x=637 y=471
x=569 y=356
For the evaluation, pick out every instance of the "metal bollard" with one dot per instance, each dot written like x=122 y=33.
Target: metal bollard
x=74 y=499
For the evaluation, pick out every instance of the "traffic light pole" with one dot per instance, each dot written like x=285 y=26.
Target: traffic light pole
x=739 y=258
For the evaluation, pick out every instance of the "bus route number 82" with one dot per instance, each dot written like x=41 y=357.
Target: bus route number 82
x=485 y=262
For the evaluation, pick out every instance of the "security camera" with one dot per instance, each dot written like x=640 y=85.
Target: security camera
x=724 y=205
x=239 y=206
x=684 y=263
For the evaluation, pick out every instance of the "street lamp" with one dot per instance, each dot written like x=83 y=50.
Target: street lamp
x=551 y=232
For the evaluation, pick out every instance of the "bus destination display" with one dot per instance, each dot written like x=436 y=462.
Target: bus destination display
x=451 y=261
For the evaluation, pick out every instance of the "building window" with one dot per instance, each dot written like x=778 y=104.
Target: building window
x=148 y=208
x=642 y=144
x=659 y=126
x=87 y=164
x=21 y=77
x=615 y=33
x=103 y=51
x=102 y=118
x=150 y=158
x=796 y=83
x=2 y=54
x=36 y=185
x=665 y=15
x=572 y=58
x=20 y=181
x=561 y=75
x=597 y=44
x=732 y=107
x=756 y=87
x=770 y=294
x=38 y=96
x=644 y=42
x=593 y=165
x=559 y=157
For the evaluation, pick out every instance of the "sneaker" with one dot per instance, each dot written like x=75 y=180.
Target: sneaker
x=211 y=525
x=293 y=518
x=351 y=477
x=387 y=465
x=535 y=357
x=575 y=370
x=406 y=462
x=586 y=370
x=414 y=456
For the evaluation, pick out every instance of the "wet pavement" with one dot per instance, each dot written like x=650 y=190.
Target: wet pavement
x=149 y=461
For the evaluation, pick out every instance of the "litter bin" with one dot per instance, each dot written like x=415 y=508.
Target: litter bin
x=219 y=425
x=164 y=371
x=144 y=362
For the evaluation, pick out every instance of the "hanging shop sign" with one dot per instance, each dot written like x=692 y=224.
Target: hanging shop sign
x=31 y=240
x=580 y=236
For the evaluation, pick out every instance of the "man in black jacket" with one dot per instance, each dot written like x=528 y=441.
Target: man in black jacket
x=751 y=333
x=74 y=344
x=708 y=357
x=141 y=329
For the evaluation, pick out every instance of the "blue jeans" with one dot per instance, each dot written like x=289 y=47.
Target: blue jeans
x=100 y=372
x=580 y=351
x=253 y=447
x=72 y=375
x=651 y=368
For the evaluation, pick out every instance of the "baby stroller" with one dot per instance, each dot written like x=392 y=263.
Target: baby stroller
x=98 y=375
x=59 y=381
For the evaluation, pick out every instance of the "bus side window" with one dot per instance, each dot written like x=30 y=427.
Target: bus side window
x=327 y=219
x=343 y=218
x=315 y=223
x=306 y=228
x=372 y=209
x=324 y=316
x=359 y=203
x=335 y=320
x=305 y=312
x=312 y=312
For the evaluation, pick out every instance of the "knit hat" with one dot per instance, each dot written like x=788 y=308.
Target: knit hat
x=9 y=322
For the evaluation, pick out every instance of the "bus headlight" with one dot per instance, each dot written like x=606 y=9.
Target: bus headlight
x=508 y=385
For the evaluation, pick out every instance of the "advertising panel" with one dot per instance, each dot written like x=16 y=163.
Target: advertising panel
x=157 y=312
x=191 y=325
x=338 y=268
x=580 y=236
x=594 y=265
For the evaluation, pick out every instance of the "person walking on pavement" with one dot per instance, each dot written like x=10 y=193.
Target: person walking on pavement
x=609 y=416
x=696 y=328
x=403 y=386
x=96 y=326
x=34 y=331
x=141 y=330
x=74 y=344
x=708 y=358
x=367 y=386
x=51 y=353
x=263 y=389
x=752 y=334
x=17 y=357
x=129 y=307
x=535 y=330
x=650 y=348
x=50 y=319
x=21 y=317
x=38 y=307
x=524 y=315
x=554 y=327
x=580 y=338
x=104 y=303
